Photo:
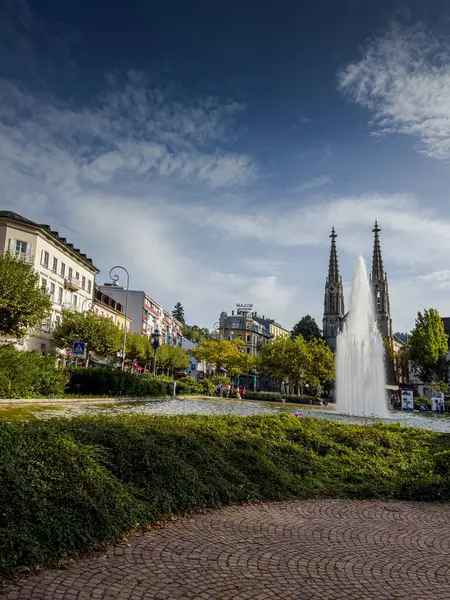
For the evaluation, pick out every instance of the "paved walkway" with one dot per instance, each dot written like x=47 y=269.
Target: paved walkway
x=326 y=550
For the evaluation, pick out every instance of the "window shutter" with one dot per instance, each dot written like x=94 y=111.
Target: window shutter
x=12 y=245
x=42 y=257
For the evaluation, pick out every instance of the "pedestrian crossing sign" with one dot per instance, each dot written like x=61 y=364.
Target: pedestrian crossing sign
x=78 y=348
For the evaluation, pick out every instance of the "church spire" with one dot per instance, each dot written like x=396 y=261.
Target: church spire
x=333 y=266
x=333 y=312
x=377 y=261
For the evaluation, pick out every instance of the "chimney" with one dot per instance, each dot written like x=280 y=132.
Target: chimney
x=232 y=313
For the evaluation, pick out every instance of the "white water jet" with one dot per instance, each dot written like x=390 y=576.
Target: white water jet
x=360 y=374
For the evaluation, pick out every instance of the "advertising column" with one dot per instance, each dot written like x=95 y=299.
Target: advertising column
x=407 y=400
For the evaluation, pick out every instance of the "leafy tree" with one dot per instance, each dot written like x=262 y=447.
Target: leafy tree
x=195 y=333
x=307 y=328
x=99 y=334
x=298 y=361
x=178 y=312
x=321 y=368
x=428 y=346
x=223 y=354
x=171 y=358
x=135 y=347
x=23 y=304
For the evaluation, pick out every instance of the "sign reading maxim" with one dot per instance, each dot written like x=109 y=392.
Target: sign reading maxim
x=244 y=307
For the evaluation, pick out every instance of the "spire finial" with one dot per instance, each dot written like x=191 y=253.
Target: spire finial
x=333 y=267
x=333 y=234
x=377 y=261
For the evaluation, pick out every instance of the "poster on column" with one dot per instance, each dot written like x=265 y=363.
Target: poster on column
x=437 y=402
x=407 y=400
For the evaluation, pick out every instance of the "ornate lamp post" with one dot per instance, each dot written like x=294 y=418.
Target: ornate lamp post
x=155 y=341
x=115 y=278
x=84 y=302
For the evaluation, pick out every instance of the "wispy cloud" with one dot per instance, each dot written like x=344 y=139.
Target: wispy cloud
x=311 y=184
x=404 y=79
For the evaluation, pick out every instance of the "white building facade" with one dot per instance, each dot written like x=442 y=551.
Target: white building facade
x=64 y=271
x=146 y=314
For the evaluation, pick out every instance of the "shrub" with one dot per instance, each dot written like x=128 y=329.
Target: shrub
x=220 y=379
x=29 y=375
x=188 y=385
x=67 y=484
x=420 y=401
x=104 y=382
x=207 y=386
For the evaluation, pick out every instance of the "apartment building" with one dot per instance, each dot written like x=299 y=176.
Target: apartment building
x=247 y=326
x=105 y=306
x=64 y=271
x=255 y=330
x=146 y=314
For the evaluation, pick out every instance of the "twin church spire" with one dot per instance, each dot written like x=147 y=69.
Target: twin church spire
x=334 y=310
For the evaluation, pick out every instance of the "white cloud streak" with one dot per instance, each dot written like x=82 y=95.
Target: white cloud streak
x=404 y=79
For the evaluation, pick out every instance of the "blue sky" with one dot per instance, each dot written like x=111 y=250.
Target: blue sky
x=210 y=149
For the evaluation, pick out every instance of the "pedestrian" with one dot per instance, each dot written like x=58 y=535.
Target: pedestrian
x=244 y=391
x=219 y=386
x=228 y=390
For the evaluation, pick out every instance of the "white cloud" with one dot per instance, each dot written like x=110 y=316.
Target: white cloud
x=404 y=79
x=311 y=184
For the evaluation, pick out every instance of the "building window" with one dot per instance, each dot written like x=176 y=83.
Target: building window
x=70 y=272
x=249 y=338
x=52 y=290
x=55 y=265
x=57 y=319
x=77 y=276
x=89 y=285
x=75 y=300
x=45 y=258
x=60 y=295
x=63 y=269
x=44 y=284
x=83 y=282
x=21 y=247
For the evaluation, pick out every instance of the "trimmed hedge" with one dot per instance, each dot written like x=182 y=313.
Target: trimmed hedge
x=110 y=382
x=29 y=375
x=276 y=397
x=68 y=484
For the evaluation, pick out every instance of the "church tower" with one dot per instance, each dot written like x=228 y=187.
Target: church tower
x=333 y=312
x=380 y=288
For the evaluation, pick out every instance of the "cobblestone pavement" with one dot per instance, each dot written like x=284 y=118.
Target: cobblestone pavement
x=324 y=550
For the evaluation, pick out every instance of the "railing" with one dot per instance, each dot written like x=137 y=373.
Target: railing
x=71 y=306
x=25 y=256
x=71 y=282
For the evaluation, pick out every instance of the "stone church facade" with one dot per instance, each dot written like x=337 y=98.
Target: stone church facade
x=334 y=309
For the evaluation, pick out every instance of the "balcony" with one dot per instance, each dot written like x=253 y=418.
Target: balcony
x=70 y=283
x=27 y=257
x=72 y=307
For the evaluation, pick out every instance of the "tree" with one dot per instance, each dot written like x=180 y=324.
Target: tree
x=223 y=354
x=171 y=358
x=321 y=367
x=135 y=347
x=297 y=361
x=178 y=312
x=195 y=333
x=428 y=346
x=307 y=328
x=23 y=304
x=99 y=334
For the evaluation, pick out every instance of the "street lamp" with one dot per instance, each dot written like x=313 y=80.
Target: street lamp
x=115 y=278
x=84 y=302
x=155 y=341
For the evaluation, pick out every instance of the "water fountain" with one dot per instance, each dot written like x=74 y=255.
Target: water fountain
x=360 y=374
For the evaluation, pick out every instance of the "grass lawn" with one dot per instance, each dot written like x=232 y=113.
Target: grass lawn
x=68 y=484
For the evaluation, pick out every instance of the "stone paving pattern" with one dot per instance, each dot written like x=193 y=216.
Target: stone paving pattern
x=322 y=550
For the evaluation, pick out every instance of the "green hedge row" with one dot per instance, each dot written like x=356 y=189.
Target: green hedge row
x=276 y=397
x=67 y=484
x=110 y=382
x=29 y=375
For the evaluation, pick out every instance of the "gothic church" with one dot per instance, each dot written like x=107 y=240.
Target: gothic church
x=334 y=311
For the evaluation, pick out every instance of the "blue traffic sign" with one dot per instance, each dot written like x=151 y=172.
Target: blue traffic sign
x=78 y=348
